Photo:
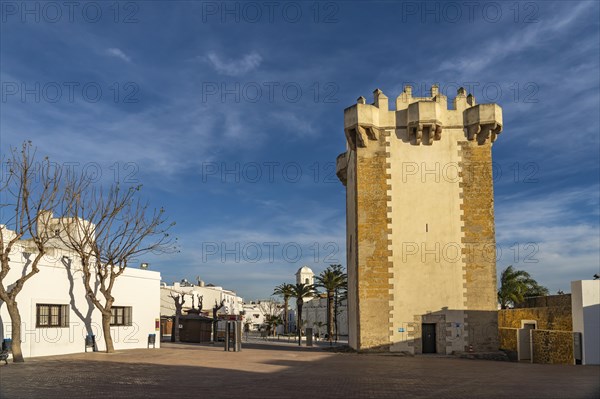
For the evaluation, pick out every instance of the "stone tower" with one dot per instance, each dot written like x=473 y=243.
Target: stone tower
x=420 y=223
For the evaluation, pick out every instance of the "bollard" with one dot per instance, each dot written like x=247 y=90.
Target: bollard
x=7 y=344
x=90 y=342
x=152 y=340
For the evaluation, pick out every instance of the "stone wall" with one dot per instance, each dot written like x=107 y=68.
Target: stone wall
x=546 y=301
x=508 y=338
x=548 y=318
x=372 y=251
x=552 y=347
x=479 y=242
x=507 y=341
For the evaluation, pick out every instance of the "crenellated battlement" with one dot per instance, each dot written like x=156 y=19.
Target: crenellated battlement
x=424 y=118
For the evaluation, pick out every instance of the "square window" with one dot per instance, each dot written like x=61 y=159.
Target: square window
x=120 y=316
x=50 y=315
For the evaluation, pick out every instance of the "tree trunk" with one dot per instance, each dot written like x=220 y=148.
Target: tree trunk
x=285 y=315
x=106 y=331
x=15 y=319
x=175 y=329
x=299 y=308
x=330 y=316
x=335 y=315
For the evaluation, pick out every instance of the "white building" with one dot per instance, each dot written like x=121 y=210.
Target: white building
x=256 y=312
x=314 y=310
x=210 y=294
x=56 y=315
x=585 y=305
x=314 y=313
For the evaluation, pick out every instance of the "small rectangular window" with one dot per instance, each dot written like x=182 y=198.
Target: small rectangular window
x=49 y=315
x=120 y=316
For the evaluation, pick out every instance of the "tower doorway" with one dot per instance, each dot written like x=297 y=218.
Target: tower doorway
x=428 y=337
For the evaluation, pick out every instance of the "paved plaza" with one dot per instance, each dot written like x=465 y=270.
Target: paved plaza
x=265 y=370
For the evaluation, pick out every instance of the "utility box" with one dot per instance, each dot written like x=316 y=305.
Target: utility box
x=233 y=335
x=309 y=337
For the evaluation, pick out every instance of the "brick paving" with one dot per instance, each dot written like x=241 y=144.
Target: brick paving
x=286 y=371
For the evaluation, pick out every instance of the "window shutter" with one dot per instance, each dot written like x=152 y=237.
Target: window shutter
x=65 y=316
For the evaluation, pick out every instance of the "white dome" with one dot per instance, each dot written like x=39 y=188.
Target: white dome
x=304 y=269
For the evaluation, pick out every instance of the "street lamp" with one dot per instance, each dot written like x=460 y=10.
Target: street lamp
x=144 y=266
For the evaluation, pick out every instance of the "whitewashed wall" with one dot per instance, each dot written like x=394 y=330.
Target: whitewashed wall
x=211 y=295
x=585 y=304
x=315 y=311
x=58 y=284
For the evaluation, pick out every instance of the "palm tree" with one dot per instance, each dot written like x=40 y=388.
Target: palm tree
x=331 y=280
x=286 y=291
x=318 y=325
x=272 y=321
x=516 y=285
x=301 y=291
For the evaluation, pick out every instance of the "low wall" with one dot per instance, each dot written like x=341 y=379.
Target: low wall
x=508 y=338
x=552 y=347
x=546 y=301
x=548 y=318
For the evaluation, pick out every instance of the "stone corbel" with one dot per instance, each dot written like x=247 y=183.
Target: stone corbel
x=351 y=138
x=483 y=132
x=359 y=136
x=472 y=131
x=489 y=130
x=434 y=132
x=418 y=133
x=438 y=132
x=341 y=167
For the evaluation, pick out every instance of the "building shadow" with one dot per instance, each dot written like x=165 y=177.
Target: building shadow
x=165 y=372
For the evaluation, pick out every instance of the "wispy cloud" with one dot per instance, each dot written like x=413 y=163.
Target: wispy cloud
x=550 y=236
x=234 y=67
x=116 y=52
x=532 y=35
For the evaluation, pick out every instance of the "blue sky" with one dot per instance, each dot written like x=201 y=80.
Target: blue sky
x=231 y=115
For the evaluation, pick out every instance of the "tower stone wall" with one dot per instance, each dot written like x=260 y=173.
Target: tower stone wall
x=420 y=222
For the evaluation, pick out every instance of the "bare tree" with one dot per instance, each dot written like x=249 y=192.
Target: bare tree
x=108 y=230
x=179 y=301
x=215 y=310
x=200 y=302
x=28 y=195
x=271 y=311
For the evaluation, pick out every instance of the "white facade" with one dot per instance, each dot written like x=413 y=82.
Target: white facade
x=315 y=311
x=211 y=295
x=585 y=305
x=59 y=282
x=255 y=314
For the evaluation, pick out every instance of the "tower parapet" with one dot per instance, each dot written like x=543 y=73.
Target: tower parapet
x=424 y=117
